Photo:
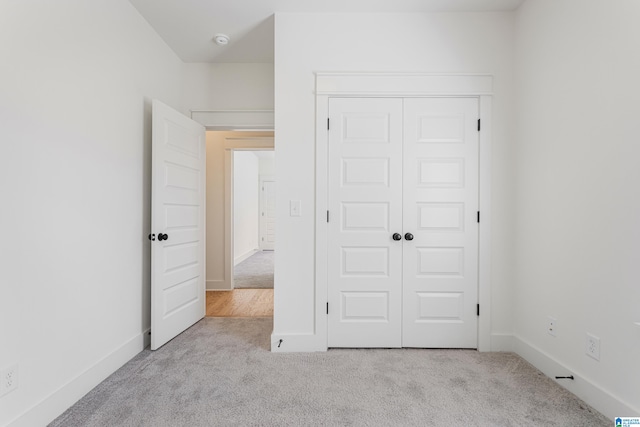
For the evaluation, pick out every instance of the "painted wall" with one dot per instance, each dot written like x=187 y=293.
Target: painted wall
x=76 y=82
x=246 y=204
x=215 y=253
x=228 y=86
x=267 y=166
x=437 y=43
x=578 y=235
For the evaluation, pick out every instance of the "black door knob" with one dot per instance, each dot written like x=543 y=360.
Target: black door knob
x=162 y=237
x=407 y=236
x=152 y=237
x=397 y=236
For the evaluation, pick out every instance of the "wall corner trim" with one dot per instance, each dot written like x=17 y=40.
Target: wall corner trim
x=68 y=394
x=593 y=394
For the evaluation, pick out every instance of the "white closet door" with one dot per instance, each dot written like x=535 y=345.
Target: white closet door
x=365 y=205
x=440 y=276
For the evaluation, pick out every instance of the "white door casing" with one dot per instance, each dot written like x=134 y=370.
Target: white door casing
x=440 y=192
x=365 y=199
x=267 y=213
x=402 y=166
x=177 y=212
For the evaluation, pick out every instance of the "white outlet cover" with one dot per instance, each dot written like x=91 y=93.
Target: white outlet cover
x=552 y=326
x=592 y=347
x=9 y=379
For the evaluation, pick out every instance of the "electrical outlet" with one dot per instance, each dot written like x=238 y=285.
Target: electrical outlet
x=551 y=326
x=593 y=347
x=8 y=379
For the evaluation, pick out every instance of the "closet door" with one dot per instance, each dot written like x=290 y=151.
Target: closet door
x=365 y=208
x=440 y=271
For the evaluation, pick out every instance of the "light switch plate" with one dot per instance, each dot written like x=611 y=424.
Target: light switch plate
x=294 y=208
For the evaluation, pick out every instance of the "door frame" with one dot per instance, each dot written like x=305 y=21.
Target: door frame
x=230 y=141
x=403 y=85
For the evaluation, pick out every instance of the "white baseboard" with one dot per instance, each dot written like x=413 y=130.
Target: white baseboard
x=217 y=285
x=239 y=259
x=56 y=403
x=296 y=343
x=593 y=394
x=501 y=342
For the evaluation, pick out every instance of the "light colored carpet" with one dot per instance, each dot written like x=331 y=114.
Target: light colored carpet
x=255 y=272
x=220 y=373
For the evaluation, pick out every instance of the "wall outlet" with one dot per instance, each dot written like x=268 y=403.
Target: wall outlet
x=8 y=379
x=593 y=347
x=552 y=323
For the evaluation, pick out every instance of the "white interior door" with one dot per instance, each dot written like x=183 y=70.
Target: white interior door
x=440 y=274
x=267 y=214
x=365 y=210
x=177 y=224
x=408 y=167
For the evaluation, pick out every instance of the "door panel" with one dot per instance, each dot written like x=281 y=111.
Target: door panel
x=178 y=200
x=440 y=204
x=365 y=204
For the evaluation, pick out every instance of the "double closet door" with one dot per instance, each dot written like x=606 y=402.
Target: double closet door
x=403 y=231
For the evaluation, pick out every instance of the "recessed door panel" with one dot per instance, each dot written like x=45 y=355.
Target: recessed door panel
x=441 y=173
x=369 y=172
x=438 y=307
x=441 y=216
x=365 y=262
x=365 y=217
x=439 y=128
x=359 y=128
x=365 y=307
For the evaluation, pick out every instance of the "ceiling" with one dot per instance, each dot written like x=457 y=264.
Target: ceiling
x=188 y=26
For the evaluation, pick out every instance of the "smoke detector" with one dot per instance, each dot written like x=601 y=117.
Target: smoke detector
x=221 y=39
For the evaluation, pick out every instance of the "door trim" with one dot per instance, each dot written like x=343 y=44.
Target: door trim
x=403 y=85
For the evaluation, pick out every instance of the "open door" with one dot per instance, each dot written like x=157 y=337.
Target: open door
x=177 y=224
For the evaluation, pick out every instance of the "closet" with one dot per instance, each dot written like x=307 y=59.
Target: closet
x=402 y=243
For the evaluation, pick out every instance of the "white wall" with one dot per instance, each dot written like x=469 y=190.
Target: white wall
x=76 y=82
x=578 y=234
x=228 y=86
x=246 y=204
x=438 y=43
x=267 y=166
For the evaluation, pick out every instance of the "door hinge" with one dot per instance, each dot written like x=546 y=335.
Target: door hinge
x=327 y=308
x=478 y=309
x=478 y=217
x=327 y=124
x=478 y=125
x=327 y=216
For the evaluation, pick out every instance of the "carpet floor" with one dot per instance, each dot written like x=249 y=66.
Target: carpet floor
x=255 y=272
x=220 y=372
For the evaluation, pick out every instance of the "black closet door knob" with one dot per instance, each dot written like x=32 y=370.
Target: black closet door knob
x=162 y=237
x=408 y=236
x=397 y=236
x=152 y=237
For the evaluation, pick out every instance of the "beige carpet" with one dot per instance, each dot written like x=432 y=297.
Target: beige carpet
x=220 y=373
x=255 y=272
